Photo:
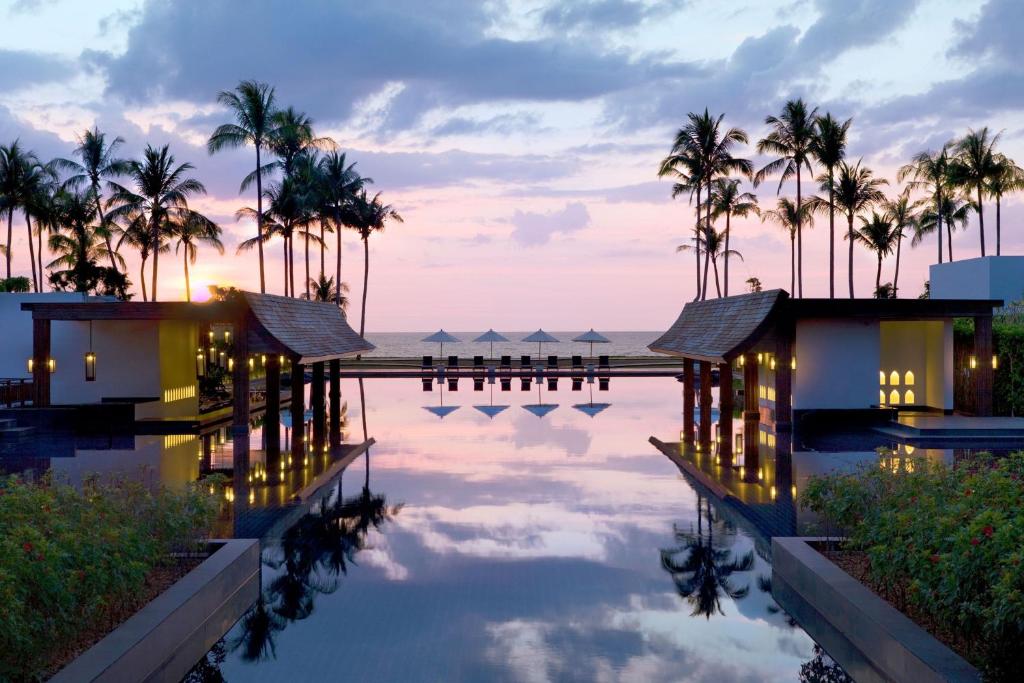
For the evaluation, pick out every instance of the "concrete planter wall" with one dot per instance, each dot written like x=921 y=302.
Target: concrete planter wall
x=164 y=639
x=869 y=638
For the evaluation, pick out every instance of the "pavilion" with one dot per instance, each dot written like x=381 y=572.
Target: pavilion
x=850 y=355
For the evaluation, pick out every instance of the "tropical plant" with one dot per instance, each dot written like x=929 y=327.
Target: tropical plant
x=901 y=211
x=929 y=171
x=161 y=192
x=338 y=184
x=953 y=213
x=1006 y=177
x=973 y=167
x=190 y=230
x=252 y=105
x=856 y=189
x=754 y=284
x=134 y=232
x=687 y=170
x=284 y=215
x=727 y=199
x=789 y=218
x=15 y=162
x=713 y=244
x=79 y=246
x=98 y=163
x=829 y=149
x=877 y=233
x=369 y=216
x=792 y=142
x=323 y=289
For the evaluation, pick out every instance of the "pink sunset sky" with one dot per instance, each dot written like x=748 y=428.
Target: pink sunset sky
x=520 y=140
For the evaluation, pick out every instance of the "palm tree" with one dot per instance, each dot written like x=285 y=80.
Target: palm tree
x=15 y=162
x=252 y=105
x=791 y=140
x=900 y=212
x=77 y=244
x=38 y=183
x=339 y=183
x=973 y=167
x=829 y=148
x=788 y=217
x=98 y=164
x=687 y=169
x=293 y=136
x=1007 y=177
x=369 y=216
x=161 y=192
x=282 y=217
x=323 y=289
x=727 y=199
x=856 y=189
x=190 y=230
x=877 y=234
x=953 y=213
x=135 y=233
x=929 y=171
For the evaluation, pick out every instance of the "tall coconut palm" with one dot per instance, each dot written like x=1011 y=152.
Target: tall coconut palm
x=76 y=242
x=323 y=289
x=367 y=217
x=161 y=189
x=902 y=213
x=856 y=190
x=1007 y=177
x=252 y=105
x=97 y=164
x=929 y=171
x=829 y=148
x=339 y=183
x=293 y=137
x=713 y=243
x=973 y=167
x=37 y=186
x=877 y=234
x=189 y=231
x=726 y=199
x=788 y=217
x=686 y=169
x=282 y=218
x=15 y=163
x=791 y=140
x=135 y=233
x=953 y=213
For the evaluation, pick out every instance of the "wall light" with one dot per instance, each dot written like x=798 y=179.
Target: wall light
x=743 y=360
x=881 y=377
x=200 y=363
x=771 y=364
x=894 y=397
x=227 y=335
x=974 y=362
x=792 y=363
x=90 y=366
x=231 y=364
x=760 y=358
x=908 y=378
x=995 y=362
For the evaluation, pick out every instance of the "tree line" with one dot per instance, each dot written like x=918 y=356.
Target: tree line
x=88 y=209
x=942 y=189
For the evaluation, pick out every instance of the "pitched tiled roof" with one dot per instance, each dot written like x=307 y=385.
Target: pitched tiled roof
x=314 y=331
x=717 y=329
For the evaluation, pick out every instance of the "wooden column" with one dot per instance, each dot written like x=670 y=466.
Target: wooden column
x=316 y=396
x=40 y=363
x=983 y=371
x=704 y=435
x=335 y=399
x=725 y=406
x=751 y=419
x=688 y=401
x=298 y=409
x=784 y=377
x=272 y=418
x=240 y=400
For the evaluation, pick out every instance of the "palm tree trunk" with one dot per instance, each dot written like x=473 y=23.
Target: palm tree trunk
x=156 y=258
x=949 y=240
x=728 y=217
x=896 y=275
x=849 y=237
x=831 y=235
x=291 y=259
x=188 y=287
x=31 y=250
x=696 y=246
x=10 y=237
x=878 y=274
x=103 y=223
x=799 y=236
x=938 y=221
x=999 y=237
x=284 y=258
x=718 y=287
x=704 y=287
x=337 y=272
x=322 y=248
x=306 y=242
x=981 y=222
x=792 y=261
x=39 y=253
x=259 y=219
x=142 y=277
x=366 y=280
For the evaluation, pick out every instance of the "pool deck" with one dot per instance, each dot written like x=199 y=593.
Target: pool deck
x=956 y=428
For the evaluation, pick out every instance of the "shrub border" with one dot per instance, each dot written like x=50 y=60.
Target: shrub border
x=164 y=639
x=867 y=636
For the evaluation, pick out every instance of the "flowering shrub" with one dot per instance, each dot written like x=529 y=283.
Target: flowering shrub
x=71 y=560
x=945 y=543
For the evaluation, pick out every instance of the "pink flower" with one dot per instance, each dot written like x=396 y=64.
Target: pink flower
x=975 y=541
x=26 y=546
x=987 y=531
x=935 y=559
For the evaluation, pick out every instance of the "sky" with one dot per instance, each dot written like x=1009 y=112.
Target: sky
x=520 y=141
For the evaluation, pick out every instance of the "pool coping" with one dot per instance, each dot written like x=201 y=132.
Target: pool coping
x=868 y=637
x=164 y=639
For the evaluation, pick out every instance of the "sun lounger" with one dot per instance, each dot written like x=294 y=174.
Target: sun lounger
x=428 y=384
x=478 y=384
x=602 y=363
x=428 y=362
x=552 y=362
x=577 y=384
x=577 y=362
x=552 y=384
x=478 y=363
x=453 y=363
x=602 y=383
x=506 y=364
x=453 y=384
x=506 y=384
x=525 y=383
x=525 y=363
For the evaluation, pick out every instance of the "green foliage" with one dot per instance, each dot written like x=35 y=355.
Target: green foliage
x=944 y=542
x=87 y=276
x=70 y=559
x=1008 y=379
x=14 y=284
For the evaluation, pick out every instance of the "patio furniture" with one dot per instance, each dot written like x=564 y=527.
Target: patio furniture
x=506 y=364
x=552 y=384
x=453 y=363
x=525 y=363
x=506 y=384
x=428 y=363
x=552 y=362
x=602 y=383
x=478 y=384
x=478 y=363
x=577 y=383
x=525 y=383
x=577 y=362
x=602 y=363
x=428 y=384
x=453 y=384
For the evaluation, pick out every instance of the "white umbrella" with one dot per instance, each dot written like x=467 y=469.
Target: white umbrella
x=491 y=336
x=440 y=337
x=541 y=337
x=592 y=338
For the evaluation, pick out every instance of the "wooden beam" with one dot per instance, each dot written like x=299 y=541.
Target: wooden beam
x=319 y=409
x=298 y=408
x=688 y=400
x=983 y=372
x=335 y=399
x=784 y=340
x=272 y=420
x=725 y=407
x=240 y=400
x=704 y=435
x=40 y=363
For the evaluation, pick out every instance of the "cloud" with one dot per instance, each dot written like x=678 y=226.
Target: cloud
x=28 y=6
x=502 y=124
x=842 y=25
x=605 y=14
x=21 y=69
x=993 y=35
x=533 y=229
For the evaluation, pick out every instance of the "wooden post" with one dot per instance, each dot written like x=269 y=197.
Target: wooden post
x=784 y=377
x=316 y=396
x=40 y=363
x=983 y=371
x=725 y=406
x=688 y=401
x=272 y=417
x=751 y=419
x=704 y=435
x=335 y=398
x=298 y=409
x=240 y=401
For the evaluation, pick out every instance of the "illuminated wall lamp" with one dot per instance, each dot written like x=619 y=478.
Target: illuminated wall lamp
x=995 y=362
x=51 y=365
x=974 y=362
x=200 y=363
x=90 y=366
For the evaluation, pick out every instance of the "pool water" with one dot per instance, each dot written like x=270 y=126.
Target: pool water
x=523 y=536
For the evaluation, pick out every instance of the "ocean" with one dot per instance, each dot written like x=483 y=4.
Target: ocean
x=408 y=345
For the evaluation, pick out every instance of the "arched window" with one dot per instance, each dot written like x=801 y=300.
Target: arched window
x=894 y=397
x=881 y=397
x=908 y=378
x=894 y=378
x=908 y=397
x=881 y=377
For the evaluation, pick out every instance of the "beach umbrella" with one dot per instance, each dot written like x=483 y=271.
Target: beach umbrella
x=491 y=410
x=442 y=410
x=541 y=337
x=592 y=338
x=490 y=336
x=591 y=408
x=441 y=337
x=540 y=409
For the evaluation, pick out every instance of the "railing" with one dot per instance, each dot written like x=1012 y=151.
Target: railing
x=14 y=392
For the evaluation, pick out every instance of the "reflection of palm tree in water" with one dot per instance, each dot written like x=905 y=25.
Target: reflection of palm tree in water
x=822 y=669
x=701 y=568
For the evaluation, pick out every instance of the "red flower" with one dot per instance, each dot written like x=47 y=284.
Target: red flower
x=935 y=559
x=40 y=556
x=26 y=546
x=975 y=541
x=987 y=530
x=968 y=492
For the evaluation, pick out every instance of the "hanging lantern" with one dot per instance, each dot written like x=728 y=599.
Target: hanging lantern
x=227 y=335
x=200 y=363
x=231 y=364
x=90 y=366
x=252 y=363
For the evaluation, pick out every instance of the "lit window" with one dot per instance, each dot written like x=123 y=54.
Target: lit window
x=894 y=397
x=881 y=377
x=908 y=378
x=881 y=397
x=894 y=378
x=908 y=397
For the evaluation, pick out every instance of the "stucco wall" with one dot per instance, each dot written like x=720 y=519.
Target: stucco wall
x=837 y=364
x=992 y=277
x=925 y=349
x=16 y=329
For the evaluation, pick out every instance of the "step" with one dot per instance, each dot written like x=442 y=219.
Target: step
x=11 y=433
x=6 y=423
